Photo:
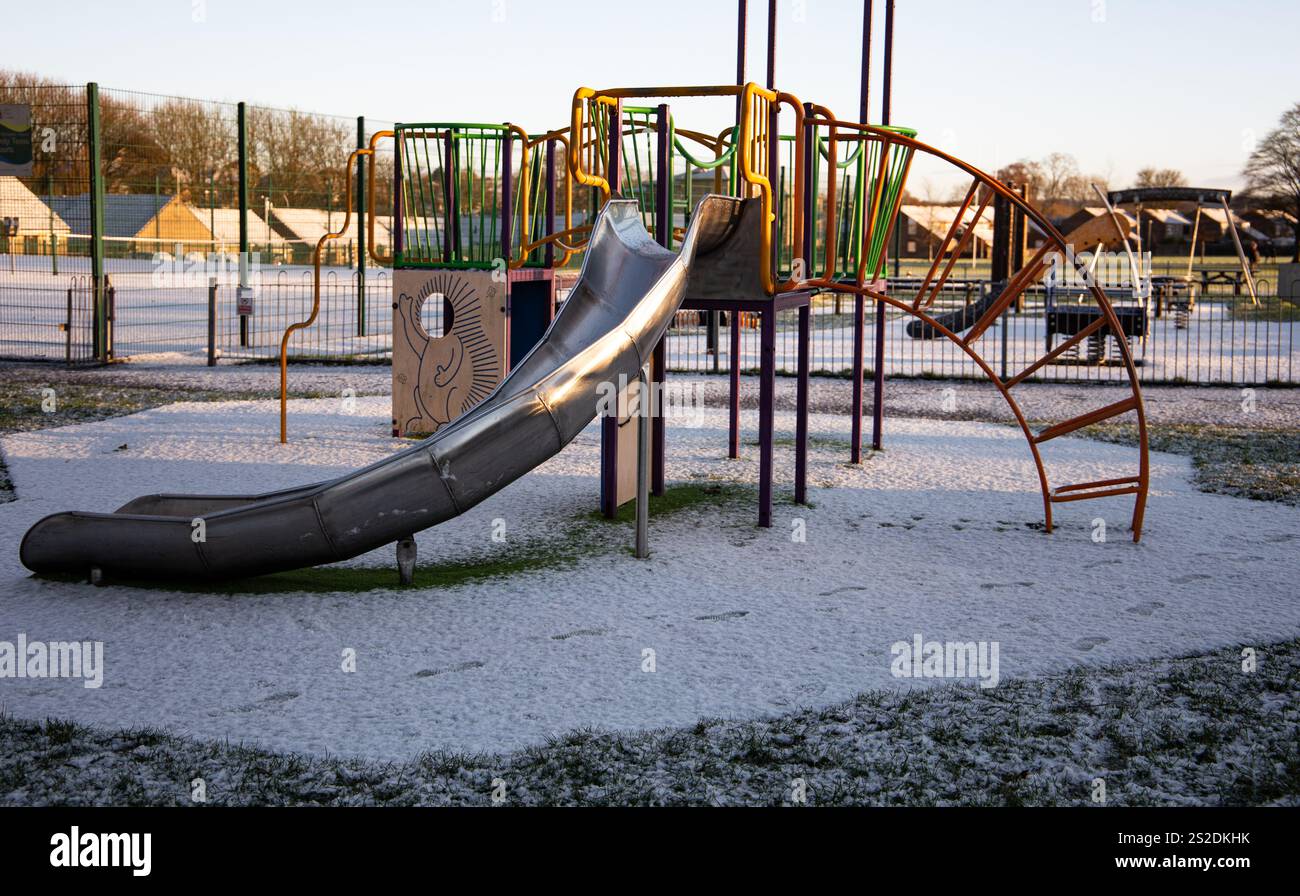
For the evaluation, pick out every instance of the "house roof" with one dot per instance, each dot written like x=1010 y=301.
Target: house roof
x=1270 y=214
x=310 y=224
x=125 y=214
x=1167 y=216
x=224 y=223
x=937 y=219
x=16 y=201
x=1097 y=211
x=1218 y=216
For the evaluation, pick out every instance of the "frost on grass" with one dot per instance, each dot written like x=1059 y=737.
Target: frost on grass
x=1262 y=464
x=1190 y=731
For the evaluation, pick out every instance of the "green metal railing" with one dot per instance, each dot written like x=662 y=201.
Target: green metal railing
x=864 y=203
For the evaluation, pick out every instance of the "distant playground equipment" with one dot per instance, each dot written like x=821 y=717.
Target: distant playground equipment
x=1178 y=294
x=811 y=210
x=1069 y=315
x=1008 y=254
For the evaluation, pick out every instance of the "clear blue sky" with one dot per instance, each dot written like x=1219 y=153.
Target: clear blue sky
x=1120 y=84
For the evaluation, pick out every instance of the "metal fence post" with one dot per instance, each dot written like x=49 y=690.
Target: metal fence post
x=361 y=228
x=243 y=216
x=212 y=321
x=99 y=300
x=67 y=330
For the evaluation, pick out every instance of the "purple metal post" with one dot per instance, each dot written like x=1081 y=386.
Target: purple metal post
x=773 y=130
x=801 y=410
x=664 y=235
x=507 y=197
x=855 y=407
x=742 y=28
x=399 y=226
x=878 y=392
x=609 y=423
x=614 y=170
x=550 y=207
x=766 y=394
x=864 y=91
x=859 y=330
x=449 y=199
x=733 y=404
x=805 y=321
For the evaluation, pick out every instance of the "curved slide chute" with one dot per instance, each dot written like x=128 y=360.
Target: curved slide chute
x=626 y=297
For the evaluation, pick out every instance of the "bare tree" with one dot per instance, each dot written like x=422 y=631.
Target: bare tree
x=1273 y=170
x=1160 y=177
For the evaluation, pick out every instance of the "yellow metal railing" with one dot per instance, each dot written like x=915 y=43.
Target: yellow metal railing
x=758 y=134
x=353 y=158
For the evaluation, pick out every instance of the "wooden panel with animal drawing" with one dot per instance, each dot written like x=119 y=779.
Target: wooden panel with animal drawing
x=439 y=376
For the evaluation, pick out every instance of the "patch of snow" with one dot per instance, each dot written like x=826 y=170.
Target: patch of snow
x=934 y=536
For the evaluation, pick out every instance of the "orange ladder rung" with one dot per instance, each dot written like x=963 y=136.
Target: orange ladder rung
x=1100 y=488
x=1110 y=410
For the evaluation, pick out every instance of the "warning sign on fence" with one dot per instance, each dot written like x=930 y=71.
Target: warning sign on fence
x=15 y=140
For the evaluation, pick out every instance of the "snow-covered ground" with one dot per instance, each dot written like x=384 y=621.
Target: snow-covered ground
x=937 y=537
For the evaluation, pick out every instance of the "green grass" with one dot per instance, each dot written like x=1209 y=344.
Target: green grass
x=1195 y=729
x=21 y=411
x=1261 y=464
x=677 y=498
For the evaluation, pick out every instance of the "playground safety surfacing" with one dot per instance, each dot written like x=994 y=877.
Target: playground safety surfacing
x=560 y=627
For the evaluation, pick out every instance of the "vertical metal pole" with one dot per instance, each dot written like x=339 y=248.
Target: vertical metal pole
x=98 y=293
x=451 y=216
x=67 y=350
x=859 y=328
x=864 y=87
x=886 y=100
x=713 y=336
x=609 y=423
x=243 y=215
x=664 y=236
x=805 y=317
x=878 y=384
x=212 y=321
x=733 y=398
x=54 y=238
x=362 y=230
x=766 y=392
x=399 y=225
x=507 y=195
x=859 y=362
x=742 y=29
x=801 y=409
x=550 y=211
x=773 y=130
x=507 y=225
x=614 y=153
x=643 y=471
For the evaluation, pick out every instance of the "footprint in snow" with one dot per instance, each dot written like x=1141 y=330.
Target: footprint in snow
x=580 y=632
x=1089 y=643
x=722 y=617
x=1146 y=609
x=268 y=702
x=458 y=667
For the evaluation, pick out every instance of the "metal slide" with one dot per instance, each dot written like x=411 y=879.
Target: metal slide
x=624 y=301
